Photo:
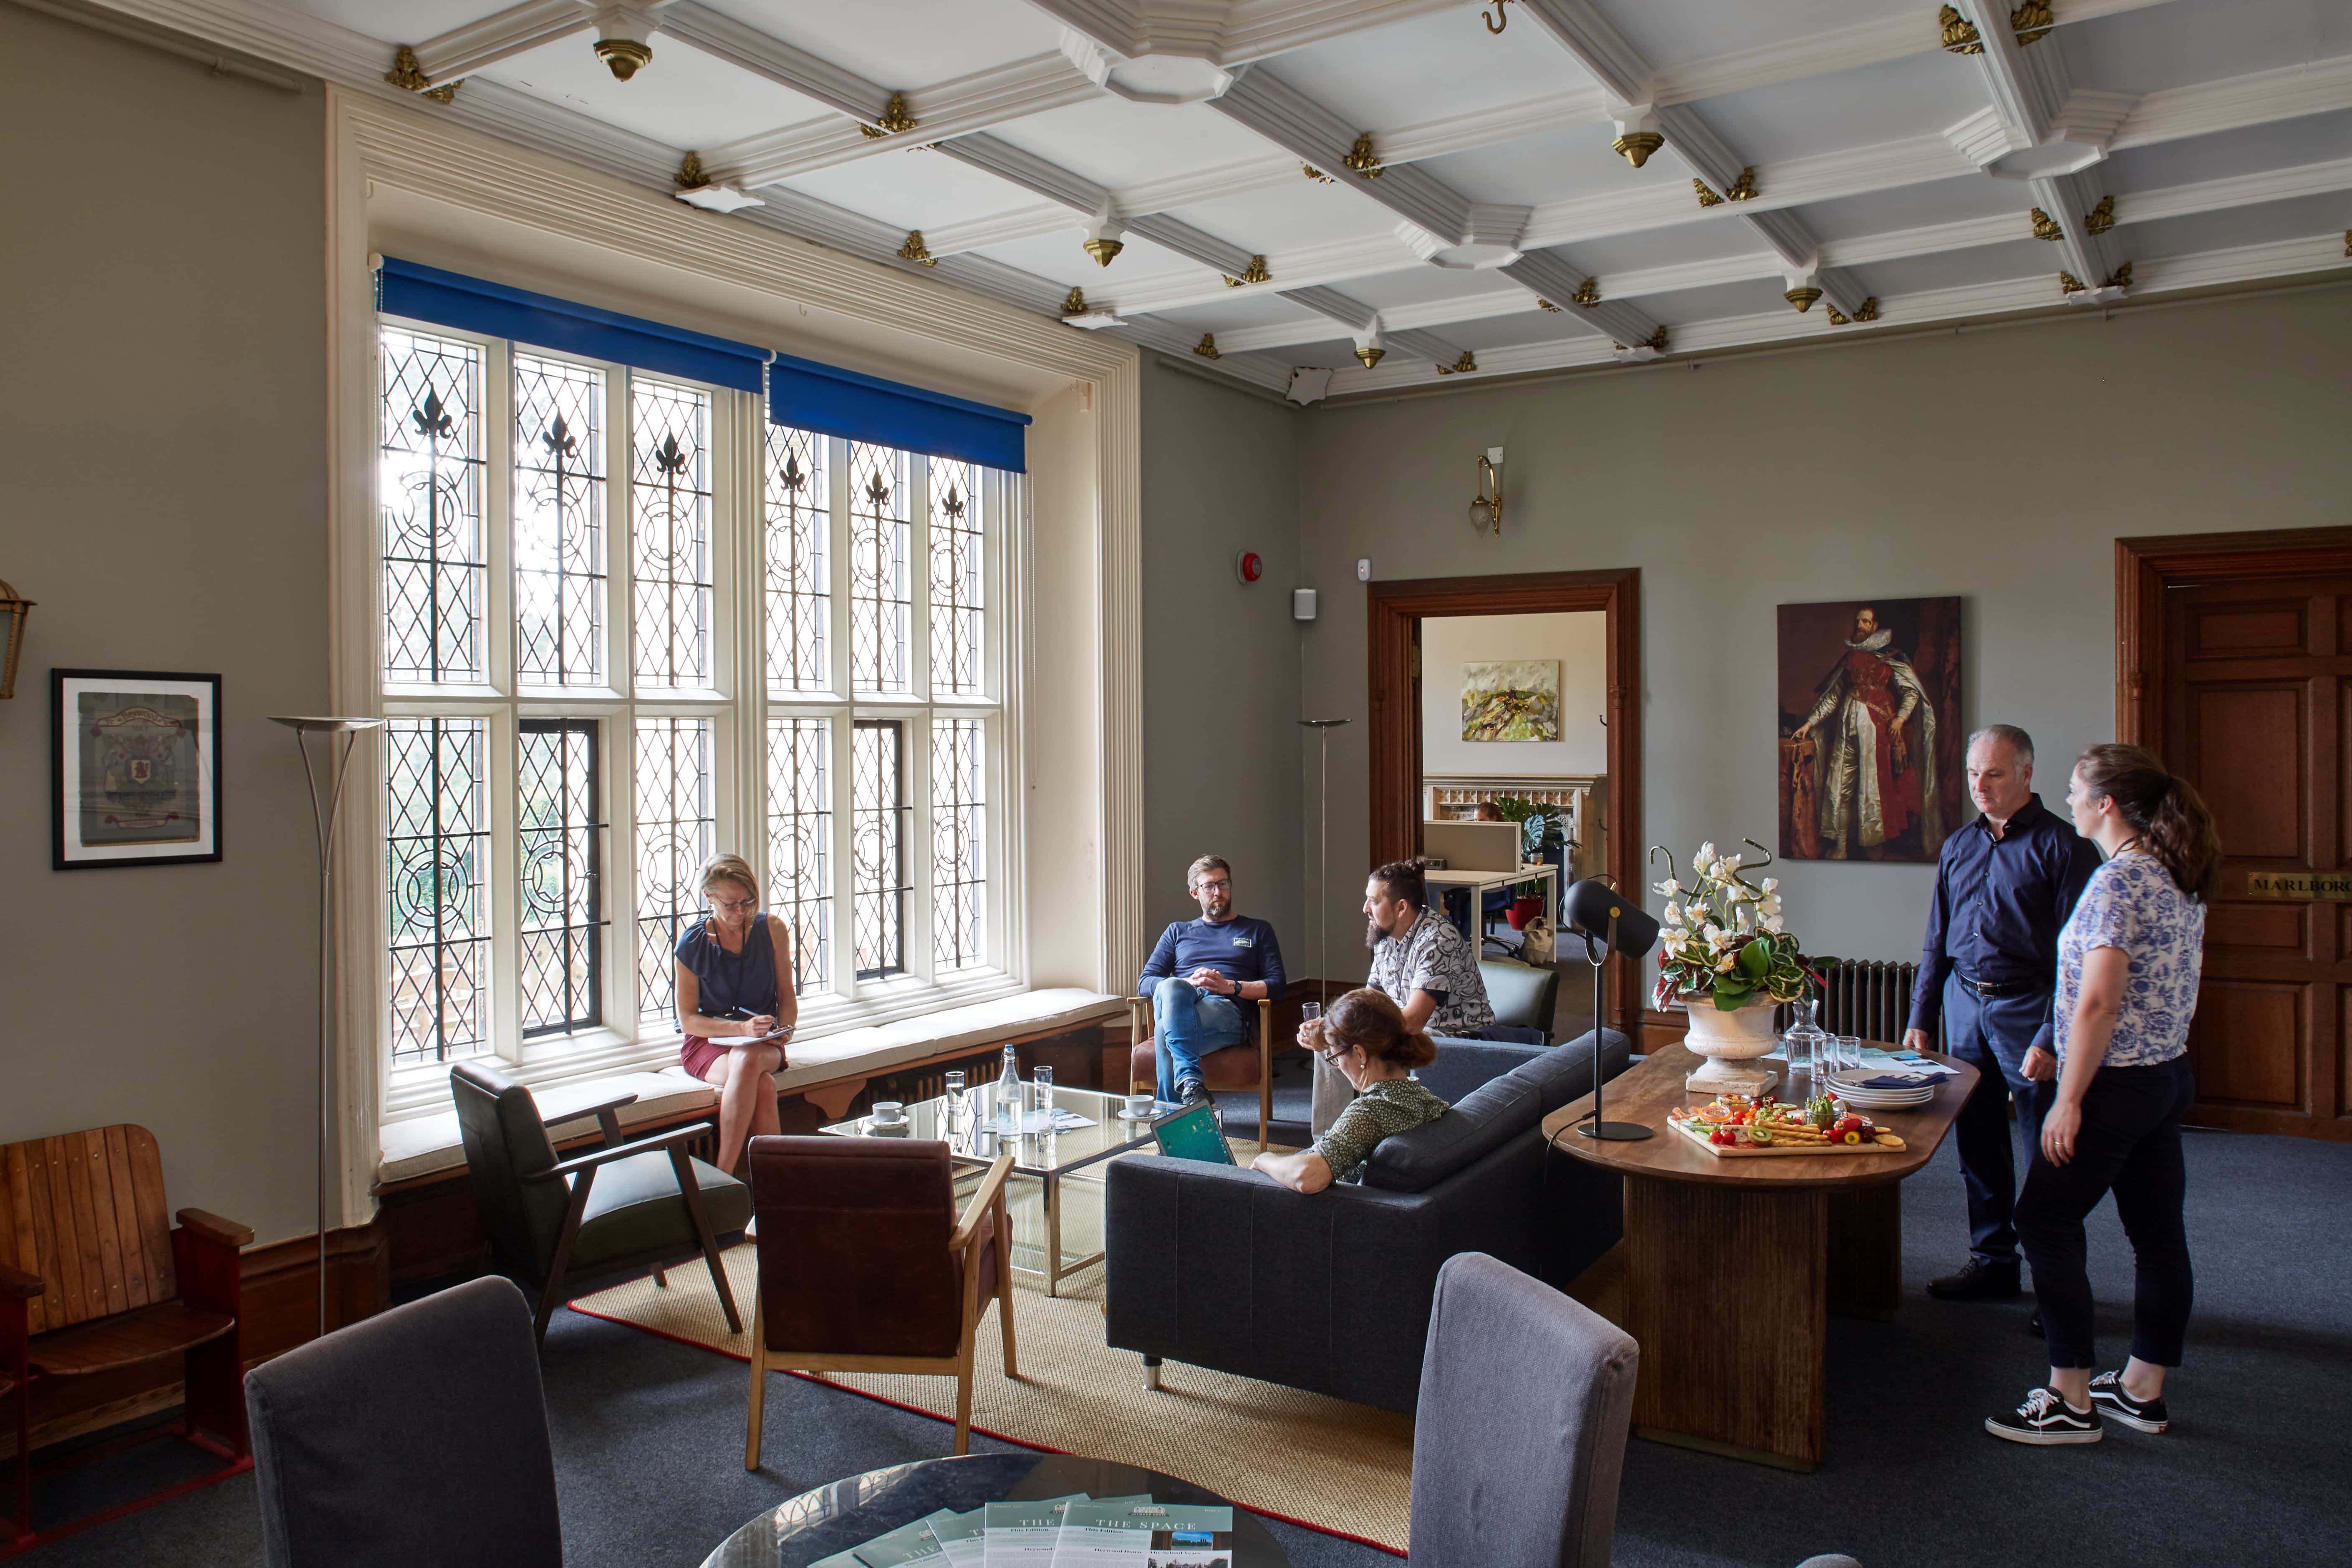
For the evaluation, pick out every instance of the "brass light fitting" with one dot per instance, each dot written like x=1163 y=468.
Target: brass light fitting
x=1635 y=146
x=447 y=92
x=2045 y=226
x=16 y=608
x=916 y=251
x=1588 y=293
x=1743 y=189
x=624 y=56
x=1657 y=339
x=1104 y=250
x=1837 y=316
x=894 y=119
x=2032 y=22
x=1076 y=305
x=1961 y=35
x=1487 y=506
x=1362 y=159
x=1370 y=357
x=1459 y=367
x=1255 y=273
x=1707 y=196
x=1312 y=173
x=2120 y=278
x=1867 y=310
x=1802 y=298
x=690 y=175
x=2069 y=284
x=1207 y=347
x=1543 y=304
x=406 y=73
x=2101 y=218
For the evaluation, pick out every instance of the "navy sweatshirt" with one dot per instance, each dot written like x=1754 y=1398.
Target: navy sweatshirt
x=1241 y=949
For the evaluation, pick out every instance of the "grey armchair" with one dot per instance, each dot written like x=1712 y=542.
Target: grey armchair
x=1525 y=1400
x=624 y=1206
x=1522 y=995
x=417 y=1436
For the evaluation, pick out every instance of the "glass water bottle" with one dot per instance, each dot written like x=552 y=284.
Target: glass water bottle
x=1008 y=1094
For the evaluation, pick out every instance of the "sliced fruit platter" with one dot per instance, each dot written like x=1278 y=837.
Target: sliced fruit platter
x=1733 y=1127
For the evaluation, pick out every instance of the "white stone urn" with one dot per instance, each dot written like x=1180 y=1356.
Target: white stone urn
x=1729 y=1041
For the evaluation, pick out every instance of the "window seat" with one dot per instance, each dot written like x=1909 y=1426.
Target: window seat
x=829 y=1071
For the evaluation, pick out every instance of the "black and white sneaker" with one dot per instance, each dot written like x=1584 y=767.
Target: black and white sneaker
x=2108 y=1398
x=2044 y=1417
x=1192 y=1091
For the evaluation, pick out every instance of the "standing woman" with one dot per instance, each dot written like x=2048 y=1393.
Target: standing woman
x=2127 y=962
x=734 y=978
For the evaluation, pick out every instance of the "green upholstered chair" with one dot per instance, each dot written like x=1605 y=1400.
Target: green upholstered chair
x=1522 y=995
x=624 y=1206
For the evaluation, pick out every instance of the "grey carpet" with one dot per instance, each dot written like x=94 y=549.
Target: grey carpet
x=648 y=1434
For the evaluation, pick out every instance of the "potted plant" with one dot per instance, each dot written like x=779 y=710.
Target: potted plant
x=1539 y=830
x=1724 y=952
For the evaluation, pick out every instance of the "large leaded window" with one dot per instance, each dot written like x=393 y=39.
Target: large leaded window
x=643 y=626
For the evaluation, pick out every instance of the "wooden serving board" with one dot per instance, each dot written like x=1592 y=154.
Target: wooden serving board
x=1694 y=1132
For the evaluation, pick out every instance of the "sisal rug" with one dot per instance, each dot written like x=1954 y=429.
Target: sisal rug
x=1305 y=1458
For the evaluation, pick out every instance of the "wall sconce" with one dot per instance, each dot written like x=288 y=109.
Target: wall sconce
x=1486 y=510
x=15 y=609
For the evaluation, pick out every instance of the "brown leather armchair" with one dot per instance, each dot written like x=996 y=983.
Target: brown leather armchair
x=865 y=1267
x=1249 y=1065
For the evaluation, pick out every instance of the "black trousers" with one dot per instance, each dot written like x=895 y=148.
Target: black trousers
x=2129 y=1144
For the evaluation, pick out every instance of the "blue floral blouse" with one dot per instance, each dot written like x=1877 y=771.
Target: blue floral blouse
x=2133 y=904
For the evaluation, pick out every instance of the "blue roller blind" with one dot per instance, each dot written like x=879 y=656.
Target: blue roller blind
x=810 y=396
x=452 y=299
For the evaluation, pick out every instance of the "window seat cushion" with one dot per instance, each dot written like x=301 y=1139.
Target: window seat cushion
x=427 y=1145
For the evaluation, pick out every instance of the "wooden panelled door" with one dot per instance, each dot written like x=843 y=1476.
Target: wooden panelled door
x=2256 y=709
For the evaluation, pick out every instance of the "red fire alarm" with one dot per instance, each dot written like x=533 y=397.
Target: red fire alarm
x=1248 y=567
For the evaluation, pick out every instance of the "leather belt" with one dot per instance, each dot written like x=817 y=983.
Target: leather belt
x=2005 y=989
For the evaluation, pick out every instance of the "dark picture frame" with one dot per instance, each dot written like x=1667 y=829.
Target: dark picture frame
x=134 y=769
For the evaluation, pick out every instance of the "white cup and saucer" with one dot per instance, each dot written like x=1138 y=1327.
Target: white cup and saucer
x=1138 y=1107
x=887 y=1114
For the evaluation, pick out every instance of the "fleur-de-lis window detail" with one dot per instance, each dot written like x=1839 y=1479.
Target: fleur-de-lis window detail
x=670 y=458
x=878 y=494
x=431 y=419
x=794 y=477
x=953 y=506
x=561 y=443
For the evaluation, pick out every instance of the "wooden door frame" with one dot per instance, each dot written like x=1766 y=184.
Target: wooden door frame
x=1391 y=611
x=2145 y=568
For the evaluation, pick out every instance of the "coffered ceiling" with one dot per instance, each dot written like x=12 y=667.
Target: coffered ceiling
x=1392 y=191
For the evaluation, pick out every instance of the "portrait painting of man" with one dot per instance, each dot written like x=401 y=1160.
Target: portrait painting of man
x=1870 y=728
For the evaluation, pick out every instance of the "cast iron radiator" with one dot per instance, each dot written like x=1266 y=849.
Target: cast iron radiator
x=1865 y=997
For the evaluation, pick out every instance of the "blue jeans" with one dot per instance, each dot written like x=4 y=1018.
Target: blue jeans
x=1992 y=1034
x=1190 y=1023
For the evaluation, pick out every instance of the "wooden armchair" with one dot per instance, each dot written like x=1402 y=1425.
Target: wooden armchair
x=92 y=1278
x=865 y=1267
x=1249 y=1065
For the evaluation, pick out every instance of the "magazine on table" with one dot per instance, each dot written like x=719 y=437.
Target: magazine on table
x=912 y=1545
x=964 y=1537
x=1021 y=1534
x=1144 y=1534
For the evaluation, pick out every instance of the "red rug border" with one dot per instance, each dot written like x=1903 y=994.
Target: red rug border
x=945 y=1420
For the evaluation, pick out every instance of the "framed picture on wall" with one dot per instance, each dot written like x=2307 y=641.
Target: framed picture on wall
x=1516 y=699
x=134 y=769
x=1870 y=737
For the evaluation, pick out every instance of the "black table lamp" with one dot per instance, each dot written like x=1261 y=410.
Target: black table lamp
x=1608 y=923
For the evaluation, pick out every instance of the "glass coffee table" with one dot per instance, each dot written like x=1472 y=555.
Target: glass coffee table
x=1037 y=1151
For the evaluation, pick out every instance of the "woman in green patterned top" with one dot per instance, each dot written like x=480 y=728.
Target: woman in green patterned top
x=1363 y=1035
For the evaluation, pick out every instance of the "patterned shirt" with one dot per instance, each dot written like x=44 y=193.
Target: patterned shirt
x=1432 y=955
x=2133 y=904
x=1391 y=1105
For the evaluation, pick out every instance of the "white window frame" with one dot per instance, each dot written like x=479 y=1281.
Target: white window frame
x=739 y=704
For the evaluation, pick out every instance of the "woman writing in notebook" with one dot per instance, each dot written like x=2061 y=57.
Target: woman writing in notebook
x=735 y=981
x=1364 y=1036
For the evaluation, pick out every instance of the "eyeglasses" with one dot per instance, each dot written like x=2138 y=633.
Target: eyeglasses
x=1220 y=885
x=734 y=907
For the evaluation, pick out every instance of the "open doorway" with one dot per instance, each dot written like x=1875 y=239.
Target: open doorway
x=1548 y=662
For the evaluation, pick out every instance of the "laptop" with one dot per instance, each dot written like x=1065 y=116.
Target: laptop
x=1192 y=1133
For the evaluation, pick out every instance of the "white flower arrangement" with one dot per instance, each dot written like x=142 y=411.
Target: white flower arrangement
x=1725 y=936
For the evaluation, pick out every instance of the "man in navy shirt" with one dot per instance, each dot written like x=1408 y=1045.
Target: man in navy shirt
x=2004 y=886
x=1202 y=978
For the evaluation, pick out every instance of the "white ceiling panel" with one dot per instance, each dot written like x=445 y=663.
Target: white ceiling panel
x=1664 y=248
x=410 y=22
x=1755 y=296
x=1258 y=308
x=1916 y=206
x=914 y=189
x=1553 y=166
x=1291 y=217
x=904 y=43
x=684 y=97
x=1062 y=261
x=1114 y=143
x=1508 y=331
x=1427 y=69
x=2201 y=40
x=1891 y=102
x=1959 y=269
x=1675 y=32
x=1424 y=286
x=2287 y=144
x=2296 y=219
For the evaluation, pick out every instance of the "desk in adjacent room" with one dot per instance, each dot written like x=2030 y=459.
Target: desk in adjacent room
x=1481 y=882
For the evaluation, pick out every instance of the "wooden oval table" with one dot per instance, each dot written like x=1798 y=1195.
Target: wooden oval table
x=1733 y=1265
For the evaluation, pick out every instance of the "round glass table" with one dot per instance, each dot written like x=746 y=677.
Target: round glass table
x=847 y=1513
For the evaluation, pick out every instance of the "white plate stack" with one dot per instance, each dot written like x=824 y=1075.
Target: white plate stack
x=1882 y=1089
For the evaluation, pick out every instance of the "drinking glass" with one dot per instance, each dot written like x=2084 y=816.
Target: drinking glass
x=1799 y=1045
x=1309 y=1012
x=955 y=1100
x=1849 y=1051
x=1040 y=1094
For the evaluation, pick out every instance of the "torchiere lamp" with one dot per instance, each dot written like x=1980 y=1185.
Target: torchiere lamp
x=1608 y=923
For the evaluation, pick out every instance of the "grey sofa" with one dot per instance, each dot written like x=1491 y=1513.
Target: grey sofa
x=1220 y=1267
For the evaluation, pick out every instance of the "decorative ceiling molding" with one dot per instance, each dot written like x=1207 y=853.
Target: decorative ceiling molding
x=461 y=50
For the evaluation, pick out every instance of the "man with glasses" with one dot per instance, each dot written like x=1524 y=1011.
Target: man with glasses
x=1203 y=978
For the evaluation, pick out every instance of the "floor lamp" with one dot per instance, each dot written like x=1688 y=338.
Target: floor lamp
x=322 y=818
x=1323 y=728
x=1599 y=914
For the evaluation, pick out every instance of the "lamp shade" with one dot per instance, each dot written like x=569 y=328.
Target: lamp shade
x=1592 y=903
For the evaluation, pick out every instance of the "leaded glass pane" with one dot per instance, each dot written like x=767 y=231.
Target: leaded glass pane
x=956 y=571
x=429 y=484
x=559 y=522
x=959 y=842
x=674 y=838
x=437 y=852
x=800 y=842
x=877 y=839
x=799 y=585
x=561 y=853
x=669 y=438
x=880 y=539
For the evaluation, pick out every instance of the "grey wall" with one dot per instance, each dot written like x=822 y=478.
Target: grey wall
x=1997 y=464
x=163 y=431
x=1220 y=660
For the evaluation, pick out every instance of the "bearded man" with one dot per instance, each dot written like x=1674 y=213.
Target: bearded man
x=1873 y=772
